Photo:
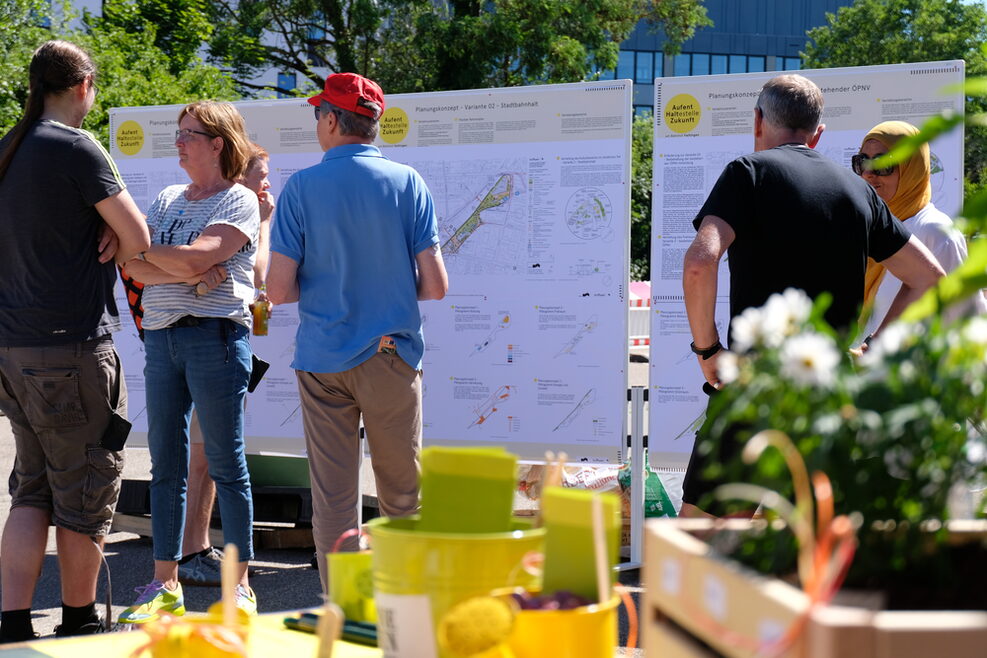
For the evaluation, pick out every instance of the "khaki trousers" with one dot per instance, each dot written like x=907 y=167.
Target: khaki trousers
x=387 y=392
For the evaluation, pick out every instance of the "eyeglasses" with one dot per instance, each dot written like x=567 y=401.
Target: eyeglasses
x=860 y=164
x=92 y=85
x=185 y=134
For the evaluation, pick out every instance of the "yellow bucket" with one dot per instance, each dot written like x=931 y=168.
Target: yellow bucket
x=586 y=632
x=418 y=576
x=351 y=585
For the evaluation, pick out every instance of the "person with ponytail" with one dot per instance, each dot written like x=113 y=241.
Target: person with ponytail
x=907 y=189
x=198 y=277
x=64 y=215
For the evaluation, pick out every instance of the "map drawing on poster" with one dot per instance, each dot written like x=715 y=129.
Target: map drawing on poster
x=704 y=122
x=531 y=188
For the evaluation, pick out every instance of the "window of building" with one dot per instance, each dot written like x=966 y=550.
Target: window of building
x=286 y=80
x=625 y=65
x=644 y=70
x=700 y=64
x=738 y=63
x=681 y=64
x=792 y=63
x=659 y=64
x=717 y=64
x=755 y=64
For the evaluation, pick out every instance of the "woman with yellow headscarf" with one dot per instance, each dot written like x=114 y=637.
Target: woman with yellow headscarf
x=907 y=189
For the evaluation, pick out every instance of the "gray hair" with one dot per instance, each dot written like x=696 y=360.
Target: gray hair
x=351 y=123
x=791 y=101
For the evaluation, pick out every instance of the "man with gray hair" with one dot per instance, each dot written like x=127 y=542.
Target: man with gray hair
x=355 y=243
x=789 y=218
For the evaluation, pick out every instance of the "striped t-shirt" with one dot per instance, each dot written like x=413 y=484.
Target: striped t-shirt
x=174 y=220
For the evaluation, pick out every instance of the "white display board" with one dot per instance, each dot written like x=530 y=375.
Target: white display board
x=532 y=189
x=704 y=122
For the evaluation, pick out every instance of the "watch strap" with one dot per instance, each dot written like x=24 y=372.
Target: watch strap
x=706 y=352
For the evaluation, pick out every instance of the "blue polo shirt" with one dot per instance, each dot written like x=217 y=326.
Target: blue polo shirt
x=354 y=223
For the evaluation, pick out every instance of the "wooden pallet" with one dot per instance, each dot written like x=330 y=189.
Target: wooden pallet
x=265 y=536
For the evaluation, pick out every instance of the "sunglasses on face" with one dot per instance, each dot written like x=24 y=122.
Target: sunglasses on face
x=860 y=164
x=185 y=134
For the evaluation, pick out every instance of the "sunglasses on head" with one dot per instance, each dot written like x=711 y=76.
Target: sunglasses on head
x=860 y=163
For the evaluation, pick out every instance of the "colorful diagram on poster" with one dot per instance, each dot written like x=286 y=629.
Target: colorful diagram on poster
x=588 y=213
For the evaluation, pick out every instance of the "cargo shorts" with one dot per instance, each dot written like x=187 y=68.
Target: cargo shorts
x=59 y=400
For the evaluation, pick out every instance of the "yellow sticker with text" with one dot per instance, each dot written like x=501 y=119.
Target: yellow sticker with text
x=682 y=113
x=394 y=125
x=130 y=137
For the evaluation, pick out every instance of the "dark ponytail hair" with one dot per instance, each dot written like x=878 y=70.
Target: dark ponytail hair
x=55 y=67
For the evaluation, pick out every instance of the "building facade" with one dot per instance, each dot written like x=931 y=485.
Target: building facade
x=746 y=36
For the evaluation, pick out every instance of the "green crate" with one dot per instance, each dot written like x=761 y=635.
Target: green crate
x=278 y=471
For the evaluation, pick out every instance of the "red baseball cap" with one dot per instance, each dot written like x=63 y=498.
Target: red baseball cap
x=351 y=92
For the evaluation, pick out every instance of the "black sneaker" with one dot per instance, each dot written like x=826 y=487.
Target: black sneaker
x=89 y=628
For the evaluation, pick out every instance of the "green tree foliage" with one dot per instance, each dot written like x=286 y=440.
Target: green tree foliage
x=132 y=69
x=678 y=19
x=251 y=36
x=642 y=141
x=421 y=45
x=181 y=27
x=895 y=31
x=21 y=31
x=506 y=43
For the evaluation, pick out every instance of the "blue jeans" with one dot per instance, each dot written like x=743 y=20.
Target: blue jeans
x=208 y=365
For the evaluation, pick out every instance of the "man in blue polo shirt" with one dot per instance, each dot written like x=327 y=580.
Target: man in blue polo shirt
x=355 y=243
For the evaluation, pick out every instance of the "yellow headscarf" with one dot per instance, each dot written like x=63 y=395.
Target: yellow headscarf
x=914 y=190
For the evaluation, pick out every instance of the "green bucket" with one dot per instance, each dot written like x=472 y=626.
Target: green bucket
x=418 y=576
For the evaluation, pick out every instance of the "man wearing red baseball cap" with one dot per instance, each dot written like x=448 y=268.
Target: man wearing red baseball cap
x=353 y=93
x=355 y=243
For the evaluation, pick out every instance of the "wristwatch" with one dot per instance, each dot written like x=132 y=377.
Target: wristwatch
x=706 y=352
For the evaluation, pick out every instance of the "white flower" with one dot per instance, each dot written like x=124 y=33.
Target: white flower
x=785 y=314
x=728 y=367
x=976 y=331
x=810 y=359
x=747 y=330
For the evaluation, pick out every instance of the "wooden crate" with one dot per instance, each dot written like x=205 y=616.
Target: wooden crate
x=698 y=603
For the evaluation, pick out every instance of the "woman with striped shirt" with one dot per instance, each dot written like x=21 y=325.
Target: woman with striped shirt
x=198 y=275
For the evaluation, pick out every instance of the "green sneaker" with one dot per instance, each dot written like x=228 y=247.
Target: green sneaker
x=154 y=599
x=246 y=600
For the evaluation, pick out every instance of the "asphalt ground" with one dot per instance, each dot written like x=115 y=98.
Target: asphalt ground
x=283 y=578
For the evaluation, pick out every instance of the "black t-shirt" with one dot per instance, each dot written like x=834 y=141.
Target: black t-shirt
x=53 y=289
x=801 y=221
